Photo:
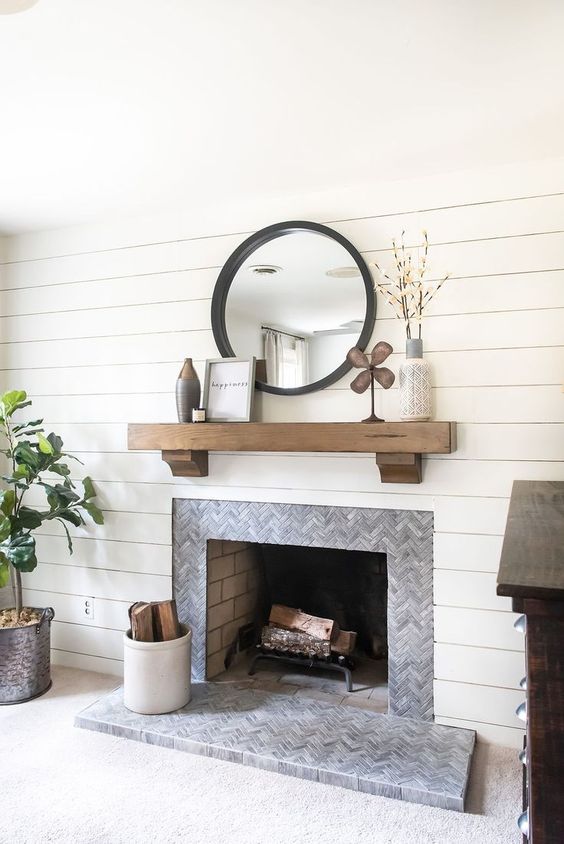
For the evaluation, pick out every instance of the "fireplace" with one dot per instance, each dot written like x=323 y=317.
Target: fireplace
x=235 y=556
x=230 y=558
x=245 y=580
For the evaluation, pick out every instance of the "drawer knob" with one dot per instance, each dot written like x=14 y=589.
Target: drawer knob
x=523 y=756
x=521 y=711
x=523 y=823
x=520 y=624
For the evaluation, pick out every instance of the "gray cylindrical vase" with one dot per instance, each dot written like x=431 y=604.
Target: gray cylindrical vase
x=414 y=347
x=188 y=391
x=415 y=383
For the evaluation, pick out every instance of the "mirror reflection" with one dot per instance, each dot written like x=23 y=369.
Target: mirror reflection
x=298 y=304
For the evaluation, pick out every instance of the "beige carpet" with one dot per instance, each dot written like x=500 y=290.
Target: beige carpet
x=62 y=784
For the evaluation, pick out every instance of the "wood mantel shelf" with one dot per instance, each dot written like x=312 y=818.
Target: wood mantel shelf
x=398 y=446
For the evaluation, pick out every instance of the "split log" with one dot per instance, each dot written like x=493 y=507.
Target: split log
x=344 y=643
x=141 y=619
x=293 y=619
x=154 y=622
x=165 y=621
x=294 y=642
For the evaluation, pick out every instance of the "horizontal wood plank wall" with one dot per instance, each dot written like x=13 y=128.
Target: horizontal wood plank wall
x=95 y=323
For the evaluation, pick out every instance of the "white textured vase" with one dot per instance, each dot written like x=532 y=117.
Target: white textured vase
x=156 y=676
x=415 y=383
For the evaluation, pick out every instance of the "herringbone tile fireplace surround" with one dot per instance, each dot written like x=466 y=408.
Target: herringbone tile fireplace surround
x=405 y=536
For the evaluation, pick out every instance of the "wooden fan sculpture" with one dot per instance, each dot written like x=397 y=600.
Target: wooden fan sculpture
x=372 y=372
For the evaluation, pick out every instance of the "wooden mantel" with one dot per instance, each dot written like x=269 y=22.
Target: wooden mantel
x=398 y=446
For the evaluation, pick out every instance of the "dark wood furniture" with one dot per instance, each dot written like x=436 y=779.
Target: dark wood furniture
x=397 y=445
x=532 y=574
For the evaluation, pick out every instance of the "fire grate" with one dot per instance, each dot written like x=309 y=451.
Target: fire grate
x=339 y=663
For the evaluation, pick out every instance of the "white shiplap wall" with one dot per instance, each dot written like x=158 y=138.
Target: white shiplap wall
x=95 y=322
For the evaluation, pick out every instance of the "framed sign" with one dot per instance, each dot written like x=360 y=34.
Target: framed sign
x=228 y=389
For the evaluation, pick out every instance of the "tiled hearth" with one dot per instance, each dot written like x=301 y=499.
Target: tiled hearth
x=379 y=754
x=275 y=720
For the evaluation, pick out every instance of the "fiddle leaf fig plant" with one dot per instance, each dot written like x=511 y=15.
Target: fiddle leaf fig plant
x=35 y=460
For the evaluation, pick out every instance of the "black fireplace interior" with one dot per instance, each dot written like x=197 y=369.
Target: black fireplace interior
x=347 y=586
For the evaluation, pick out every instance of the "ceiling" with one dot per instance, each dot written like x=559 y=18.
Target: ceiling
x=283 y=300
x=127 y=107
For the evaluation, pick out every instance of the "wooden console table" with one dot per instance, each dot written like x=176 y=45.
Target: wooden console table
x=398 y=446
x=532 y=574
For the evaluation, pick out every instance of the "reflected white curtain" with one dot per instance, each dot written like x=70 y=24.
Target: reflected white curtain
x=286 y=359
x=274 y=356
x=301 y=361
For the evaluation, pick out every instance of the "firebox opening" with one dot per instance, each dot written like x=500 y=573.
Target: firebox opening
x=348 y=587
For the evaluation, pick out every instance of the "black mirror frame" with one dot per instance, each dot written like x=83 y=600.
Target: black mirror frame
x=240 y=255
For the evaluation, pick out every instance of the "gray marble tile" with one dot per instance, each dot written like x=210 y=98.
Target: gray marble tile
x=226 y=754
x=294 y=769
x=314 y=739
x=337 y=778
x=198 y=748
x=379 y=789
x=264 y=763
x=405 y=536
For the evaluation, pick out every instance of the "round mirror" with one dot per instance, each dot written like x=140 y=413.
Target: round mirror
x=296 y=296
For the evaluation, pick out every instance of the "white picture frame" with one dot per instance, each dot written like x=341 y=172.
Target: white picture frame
x=228 y=389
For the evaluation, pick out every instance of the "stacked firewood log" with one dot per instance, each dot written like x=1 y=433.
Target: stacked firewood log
x=291 y=631
x=156 y=621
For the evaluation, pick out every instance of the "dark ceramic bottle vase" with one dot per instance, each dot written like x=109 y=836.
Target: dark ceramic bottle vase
x=188 y=391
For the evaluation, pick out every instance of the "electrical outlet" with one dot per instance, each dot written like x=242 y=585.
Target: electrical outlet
x=88 y=608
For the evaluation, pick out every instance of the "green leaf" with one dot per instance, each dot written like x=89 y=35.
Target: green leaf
x=73 y=517
x=5 y=527
x=33 y=424
x=7 y=501
x=89 y=491
x=56 y=443
x=69 y=540
x=4 y=570
x=12 y=479
x=60 y=469
x=59 y=495
x=94 y=512
x=53 y=501
x=20 y=550
x=27 y=432
x=13 y=400
x=29 y=518
x=45 y=446
x=26 y=454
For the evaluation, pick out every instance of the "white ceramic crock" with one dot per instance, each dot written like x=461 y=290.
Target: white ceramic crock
x=157 y=674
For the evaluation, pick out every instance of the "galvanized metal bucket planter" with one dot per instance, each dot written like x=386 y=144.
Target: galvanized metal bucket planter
x=25 y=663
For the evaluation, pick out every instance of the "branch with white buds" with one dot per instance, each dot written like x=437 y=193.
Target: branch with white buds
x=408 y=293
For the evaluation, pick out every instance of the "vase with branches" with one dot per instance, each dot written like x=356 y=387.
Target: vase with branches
x=409 y=291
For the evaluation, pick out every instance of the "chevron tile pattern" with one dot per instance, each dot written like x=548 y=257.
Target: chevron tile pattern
x=417 y=761
x=405 y=536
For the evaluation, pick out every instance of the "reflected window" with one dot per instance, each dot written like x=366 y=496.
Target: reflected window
x=286 y=357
